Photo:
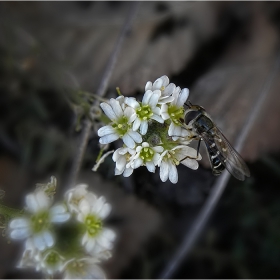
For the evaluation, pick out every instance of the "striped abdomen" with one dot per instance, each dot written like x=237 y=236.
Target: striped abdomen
x=216 y=159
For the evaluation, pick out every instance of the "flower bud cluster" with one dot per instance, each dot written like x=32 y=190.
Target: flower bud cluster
x=67 y=238
x=152 y=131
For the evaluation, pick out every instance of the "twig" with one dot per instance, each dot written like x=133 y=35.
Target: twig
x=101 y=92
x=220 y=184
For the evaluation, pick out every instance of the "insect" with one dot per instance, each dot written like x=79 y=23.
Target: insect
x=221 y=154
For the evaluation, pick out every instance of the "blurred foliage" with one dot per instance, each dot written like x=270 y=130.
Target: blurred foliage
x=37 y=124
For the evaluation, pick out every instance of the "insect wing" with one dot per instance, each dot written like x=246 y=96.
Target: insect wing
x=234 y=162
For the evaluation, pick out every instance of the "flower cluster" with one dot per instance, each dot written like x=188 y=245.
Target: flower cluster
x=152 y=131
x=67 y=238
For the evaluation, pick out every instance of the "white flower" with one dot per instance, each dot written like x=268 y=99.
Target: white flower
x=75 y=195
x=96 y=238
x=121 y=118
x=145 y=110
x=36 y=225
x=169 y=159
x=175 y=112
x=122 y=158
x=163 y=85
x=29 y=256
x=146 y=155
x=50 y=262
x=83 y=268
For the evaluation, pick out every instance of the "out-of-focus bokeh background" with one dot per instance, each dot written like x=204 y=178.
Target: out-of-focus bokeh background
x=224 y=52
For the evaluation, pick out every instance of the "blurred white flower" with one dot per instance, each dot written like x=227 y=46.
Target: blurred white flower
x=36 y=223
x=146 y=155
x=163 y=85
x=145 y=111
x=169 y=159
x=29 y=258
x=77 y=194
x=175 y=112
x=121 y=118
x=122 y=158
x=50 y=262
x=96 y=238
x=83 y=268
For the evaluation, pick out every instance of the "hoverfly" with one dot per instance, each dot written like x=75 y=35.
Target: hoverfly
x=221 y=154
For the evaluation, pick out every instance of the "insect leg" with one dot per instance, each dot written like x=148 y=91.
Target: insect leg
x=198 y=146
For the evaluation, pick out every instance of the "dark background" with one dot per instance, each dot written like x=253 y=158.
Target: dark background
x=224 y=52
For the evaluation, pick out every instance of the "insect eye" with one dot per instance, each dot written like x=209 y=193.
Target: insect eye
x=190 y=116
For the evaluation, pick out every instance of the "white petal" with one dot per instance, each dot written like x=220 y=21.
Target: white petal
x=104 y=242
x=173 y=174
x=166 y=99
x=90 y=244
x=144 y=127
x=138 y=162
x=84 y=239
x=169 y=90
x=156 y=110
x=128 y=141
x=59 y=214
x=135 y=136
x=136 y=124
x=105 y=211
x=177 y=130
x=164 y=108
x=104 y=130
x=117 y=155
x=98 y=204
x=156 y=159
x=120 y=99
x=148 y=94
x=129 y=112
x=61 y=218
x=116 y=107
x=183 y=151
x=132 y=118
x=84 y=206
x=165 y=80
x=110 y=234
x=94 y=272
x=150 y=166
x=19 y=223
x=42 y=199
x=118 y=172
x=109 y=138
x=158 y=83
x=157 y=118
x=127 y=172
x=165 y=116
x=20 y=233
x=131 y=101
x=39 y=242
x=120 y=164
x=32 y=203
x=148 y=86
x=183 y=97
x=163 y=171
x=154 y=98
x=176 y=95
x=158 y=149
x=48 y=238
x=108 y=111
x=191 y=163
x=171 y=129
